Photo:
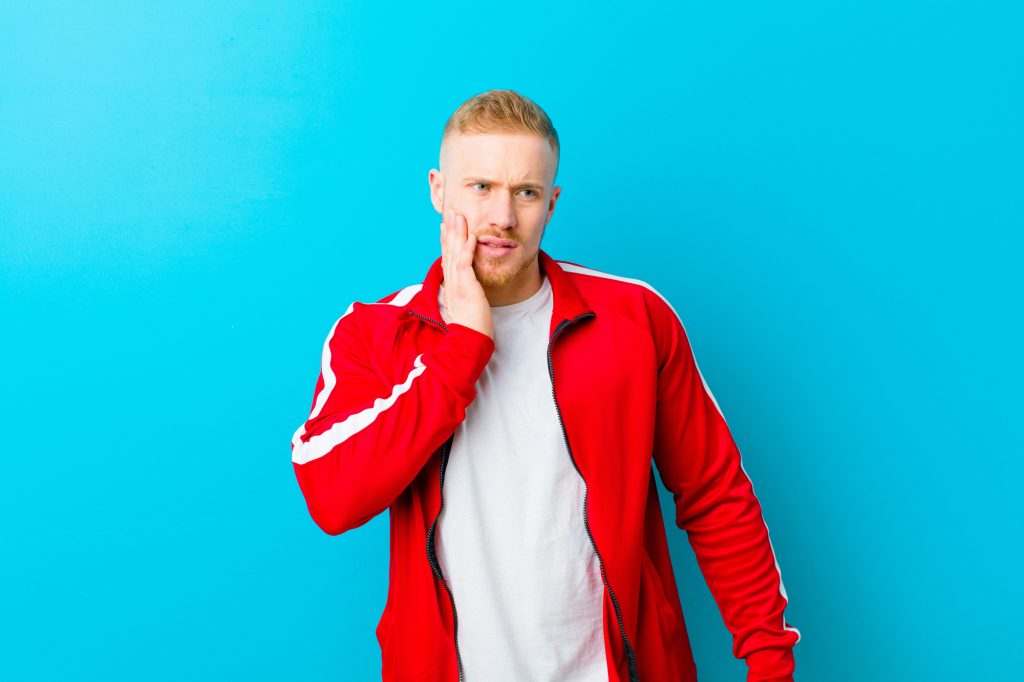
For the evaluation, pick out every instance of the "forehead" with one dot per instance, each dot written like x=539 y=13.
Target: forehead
x=500 y=155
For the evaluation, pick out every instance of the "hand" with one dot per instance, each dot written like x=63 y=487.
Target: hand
x=464 y=297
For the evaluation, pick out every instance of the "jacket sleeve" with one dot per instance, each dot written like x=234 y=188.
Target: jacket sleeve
x=366 y=439
x=715 y=504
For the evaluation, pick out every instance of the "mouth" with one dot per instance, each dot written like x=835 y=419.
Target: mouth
x=496 y=248
x=498 y=243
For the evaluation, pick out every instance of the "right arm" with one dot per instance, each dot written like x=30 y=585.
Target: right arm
x=365 y=440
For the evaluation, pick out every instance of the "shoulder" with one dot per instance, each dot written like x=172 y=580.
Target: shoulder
x=370 y=314
x=628 y=294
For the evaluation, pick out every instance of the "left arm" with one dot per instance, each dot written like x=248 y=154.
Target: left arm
x=715 y=504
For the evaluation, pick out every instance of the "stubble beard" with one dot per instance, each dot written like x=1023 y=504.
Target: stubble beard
x=494 y=273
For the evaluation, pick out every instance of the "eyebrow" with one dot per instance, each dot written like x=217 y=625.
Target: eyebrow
x=529 y=184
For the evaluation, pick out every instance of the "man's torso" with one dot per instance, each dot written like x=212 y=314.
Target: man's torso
x=512 y=541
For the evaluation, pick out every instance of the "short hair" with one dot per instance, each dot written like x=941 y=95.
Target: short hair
x=502 y=111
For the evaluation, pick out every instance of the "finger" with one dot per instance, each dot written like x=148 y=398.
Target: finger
x=441 y=240
x=453 y=224
x=459 y=240
x=449 y=225
x=461 y=229
x=470 y=249
x=454 y=243
x=449 y=239
x=446 y=232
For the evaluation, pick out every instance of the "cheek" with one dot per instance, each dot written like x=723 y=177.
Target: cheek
x=536 y=233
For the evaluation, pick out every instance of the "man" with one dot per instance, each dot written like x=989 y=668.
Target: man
x=506 y=410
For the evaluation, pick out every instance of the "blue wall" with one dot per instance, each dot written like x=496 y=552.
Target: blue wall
x=829 y=193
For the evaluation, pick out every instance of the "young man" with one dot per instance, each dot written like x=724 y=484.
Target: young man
x=506 y=410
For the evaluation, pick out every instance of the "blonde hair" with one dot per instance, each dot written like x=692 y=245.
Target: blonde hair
x=501 y=111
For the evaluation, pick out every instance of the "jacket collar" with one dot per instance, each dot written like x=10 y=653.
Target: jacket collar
x=568 y=302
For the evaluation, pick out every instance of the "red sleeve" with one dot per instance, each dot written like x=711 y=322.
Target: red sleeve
x=715 y=504
x=366 y=439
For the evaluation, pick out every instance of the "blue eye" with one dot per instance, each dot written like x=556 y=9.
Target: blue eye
x=484 y=184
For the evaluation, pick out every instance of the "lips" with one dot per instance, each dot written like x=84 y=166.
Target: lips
x=496 y=242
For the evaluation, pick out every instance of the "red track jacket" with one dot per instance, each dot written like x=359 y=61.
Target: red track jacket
x=394 y=384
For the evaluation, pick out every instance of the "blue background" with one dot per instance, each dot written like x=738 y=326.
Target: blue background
x=828 y=192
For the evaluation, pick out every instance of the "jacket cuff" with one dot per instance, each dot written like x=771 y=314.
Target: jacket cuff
x=770 y=665
x=461 y=357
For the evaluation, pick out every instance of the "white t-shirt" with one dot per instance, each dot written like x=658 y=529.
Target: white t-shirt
x=511 y=540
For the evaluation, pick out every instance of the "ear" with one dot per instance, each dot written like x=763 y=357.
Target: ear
x=555 y=192
x=436 y=180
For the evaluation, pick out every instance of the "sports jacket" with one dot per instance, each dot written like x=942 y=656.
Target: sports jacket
x=394 y=384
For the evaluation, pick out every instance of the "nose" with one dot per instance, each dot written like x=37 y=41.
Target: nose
x=501 y=213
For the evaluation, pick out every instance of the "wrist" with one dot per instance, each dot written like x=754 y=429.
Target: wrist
x=775 y=664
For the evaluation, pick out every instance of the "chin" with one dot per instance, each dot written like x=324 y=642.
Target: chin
x=493 y=275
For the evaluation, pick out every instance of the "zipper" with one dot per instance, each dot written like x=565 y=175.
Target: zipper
x=432 y=554
x=634 y=675
x=436 y=323
x=431 y=550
